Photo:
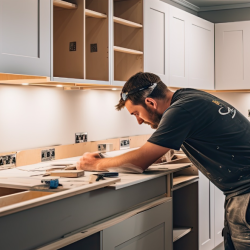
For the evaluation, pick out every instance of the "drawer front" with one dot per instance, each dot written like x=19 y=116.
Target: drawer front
x=150 y=229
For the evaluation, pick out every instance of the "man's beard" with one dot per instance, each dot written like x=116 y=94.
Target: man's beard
x=155 y=118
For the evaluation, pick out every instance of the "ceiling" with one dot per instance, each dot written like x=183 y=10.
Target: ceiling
x=210 y=3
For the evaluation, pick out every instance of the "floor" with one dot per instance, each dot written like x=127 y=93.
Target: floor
x=220 y=247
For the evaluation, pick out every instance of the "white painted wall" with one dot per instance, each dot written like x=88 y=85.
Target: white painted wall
x=33 y=117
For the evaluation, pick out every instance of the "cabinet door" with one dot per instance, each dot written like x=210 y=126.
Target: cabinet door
x=25 y=37
x=206 y=213
x=219 y=199
x=201 y=53
x=156 y=41
x=232 y=60
x=151 y=229
x=178 y=48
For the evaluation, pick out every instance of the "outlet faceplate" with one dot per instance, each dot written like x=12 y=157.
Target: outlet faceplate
x=48 y=154
x=7 y=161
x=81 y=137
x=105 y=147
x=124 y=143
x=72 y=46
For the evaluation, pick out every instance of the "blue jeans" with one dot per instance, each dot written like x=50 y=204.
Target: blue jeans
x=237 y=223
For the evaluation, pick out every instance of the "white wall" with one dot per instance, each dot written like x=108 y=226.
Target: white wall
x=33 y=117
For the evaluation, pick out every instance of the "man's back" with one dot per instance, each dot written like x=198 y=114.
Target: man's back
x=214 y=135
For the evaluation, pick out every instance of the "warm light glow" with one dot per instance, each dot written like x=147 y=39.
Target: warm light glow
x=114 y=89
x=59 y=86
x=25 y=83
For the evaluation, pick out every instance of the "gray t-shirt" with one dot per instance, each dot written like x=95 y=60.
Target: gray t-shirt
x=213 y=134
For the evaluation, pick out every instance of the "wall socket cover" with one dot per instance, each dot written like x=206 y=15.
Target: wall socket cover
x=7 y=161
x=81 y=137
x=72 y=46
x=106 y=147
x=124 y=143
x=48 y=154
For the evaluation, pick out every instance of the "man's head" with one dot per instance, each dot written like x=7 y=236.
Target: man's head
x=146 y=97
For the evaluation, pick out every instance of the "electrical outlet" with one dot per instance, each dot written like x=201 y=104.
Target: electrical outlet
x=249 y=113
x=7 y=161
x=93 y=47
x=124 y=143
x=48 y=154
x=105 y=147
x=72 y=46
x=81 y=137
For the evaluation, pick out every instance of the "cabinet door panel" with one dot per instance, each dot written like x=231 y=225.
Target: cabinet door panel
x=201 y=54
x=219 y=199
x=206 y=213
x=178 y=48
x=151 y=229
x=25 y=37
x=231 y=45
x=156 y=23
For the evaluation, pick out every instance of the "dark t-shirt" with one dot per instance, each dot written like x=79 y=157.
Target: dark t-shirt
x=213 y=134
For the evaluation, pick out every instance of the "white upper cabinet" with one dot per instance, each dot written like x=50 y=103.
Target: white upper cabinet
x=232 y=60
x=178 y=47
x=191 y=51
x=156 y=39
x=201 y=53
x=25 y=37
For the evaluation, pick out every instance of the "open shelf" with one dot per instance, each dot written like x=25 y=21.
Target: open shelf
x=64 y=4
x=182 y=179
x=126 y=22
x=91 y=13
x=180 y=232
x=128 y=51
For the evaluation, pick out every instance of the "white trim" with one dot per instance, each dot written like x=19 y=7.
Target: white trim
x=226 y=7
x=187 y=4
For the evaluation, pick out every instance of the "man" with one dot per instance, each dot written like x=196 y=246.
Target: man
x=213 y=134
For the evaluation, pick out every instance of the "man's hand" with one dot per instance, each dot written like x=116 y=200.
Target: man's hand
x=89 y=162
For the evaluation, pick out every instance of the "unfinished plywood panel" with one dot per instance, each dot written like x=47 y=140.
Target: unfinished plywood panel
x=20 y=197
x=128 y=40
x=69 y=27
x=131 y=10
x=126 y=65
x=8 y=191
x=138 y=141
x=97 y=42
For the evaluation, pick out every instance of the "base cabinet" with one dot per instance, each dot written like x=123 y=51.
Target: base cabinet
x=150 y=229
x=211 y=214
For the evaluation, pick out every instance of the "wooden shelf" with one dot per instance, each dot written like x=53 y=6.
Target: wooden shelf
x=128 y=51
x=180 y=232
x=126 y=22
x=181 y=179
x=64 y=4
x=91 y=13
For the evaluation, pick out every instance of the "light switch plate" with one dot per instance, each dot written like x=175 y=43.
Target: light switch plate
x=124 y=143
x=7 y=161
x=48 y=155
x=81 y=137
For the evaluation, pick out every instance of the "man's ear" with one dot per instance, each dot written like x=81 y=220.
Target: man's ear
x=150 y=102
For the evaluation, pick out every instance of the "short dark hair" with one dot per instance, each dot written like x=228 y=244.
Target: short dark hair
x=139 y=80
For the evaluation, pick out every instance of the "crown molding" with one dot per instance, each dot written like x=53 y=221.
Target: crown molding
x=226 y=7
x=218 y=7
x=187 y=4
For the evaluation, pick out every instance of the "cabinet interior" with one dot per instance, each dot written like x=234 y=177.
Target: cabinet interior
x=185 y=211
x=87 y=26
x=128 y=38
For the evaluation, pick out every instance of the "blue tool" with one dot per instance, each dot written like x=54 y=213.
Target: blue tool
x=53 y=183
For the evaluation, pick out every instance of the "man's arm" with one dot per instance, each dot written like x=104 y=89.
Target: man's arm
x=138 y=160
